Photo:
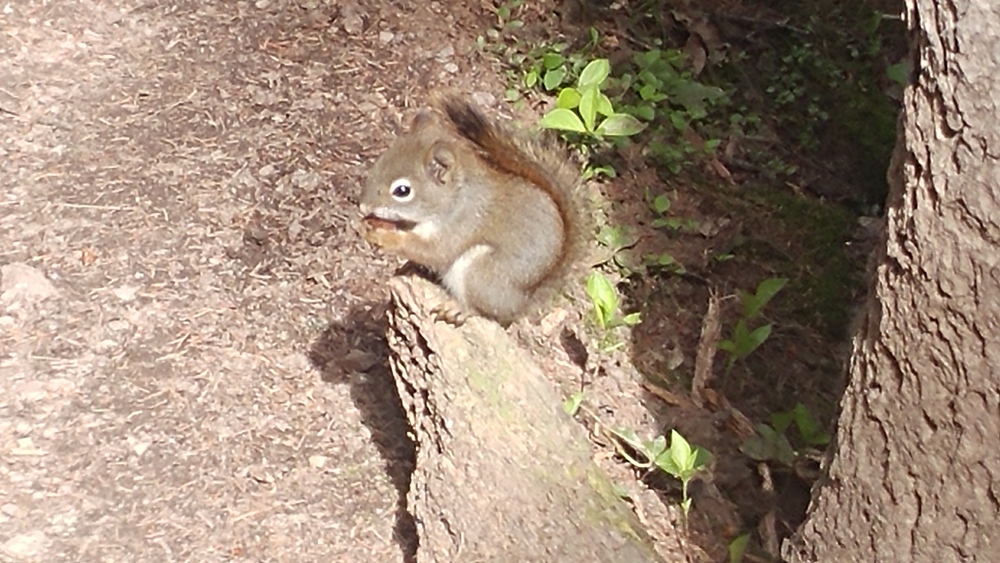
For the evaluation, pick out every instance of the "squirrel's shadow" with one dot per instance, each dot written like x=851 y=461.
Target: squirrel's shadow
x=354 y=351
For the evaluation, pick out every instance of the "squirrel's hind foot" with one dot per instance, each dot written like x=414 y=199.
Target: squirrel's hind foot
x=451 y=312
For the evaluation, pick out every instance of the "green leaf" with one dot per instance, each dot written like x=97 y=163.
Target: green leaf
x=804 y=421
x=766 y=291
x=680 y=451
x=553 y=78
x=617 y=237
x=661 y=203
x=755 y=339
x=594 y=73
x=768 y=445
x=650 y=449
x=620 y=125
x=604 y=297
x=654 y=448
x=631 y=319
x=629 y=436
x=650 y=92
x=738 y=547
x=646 y=113
x=701 y=458
x=604 y=106
x=530 y=79
x=781 y=421
x=552 y=60
x=678 y=120
x=572 y=404
x=569 y=98
x=563 y=120
x=808 y=428
x=898 y=73
x=665 y=260
x=606 y=170
x=588 y=107
x=694 y=96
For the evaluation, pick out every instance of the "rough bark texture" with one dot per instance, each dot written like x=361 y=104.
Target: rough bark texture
x=915 y=471
x=502 y=473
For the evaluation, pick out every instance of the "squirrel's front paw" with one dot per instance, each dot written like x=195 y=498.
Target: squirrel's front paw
x=451 y=312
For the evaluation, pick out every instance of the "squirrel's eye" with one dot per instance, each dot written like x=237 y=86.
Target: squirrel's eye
x=401 y=190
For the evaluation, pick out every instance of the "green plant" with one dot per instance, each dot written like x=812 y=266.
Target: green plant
x=809 y=430
x=586 y=110
x=738 y=547
x=550 y=68
x=505 y=17
x=604 y=299
x=572 y=404
x=666 y=95
x=664 y=90
x=663 y=262
x=681 y=459
x=616 y=240
x=769 y=445
x=744 y=340
x=772 y=442
x=661 y=205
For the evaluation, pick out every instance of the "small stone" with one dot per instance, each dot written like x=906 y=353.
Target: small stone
x=119 y=325
x=138 y=446
x=26 y=447
x=350 y=20
x=386 y=36
x=451 y=68
x=306 y=179
x=126 y=292
x=446 y=53
x=20 y=281
x=32 y=391
x=318 y=461
x=26 y=546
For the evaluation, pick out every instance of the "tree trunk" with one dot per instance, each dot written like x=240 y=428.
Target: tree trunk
x=915 y=470
x=502 y=473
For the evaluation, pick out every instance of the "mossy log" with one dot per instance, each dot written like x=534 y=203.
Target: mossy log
x=502 y=472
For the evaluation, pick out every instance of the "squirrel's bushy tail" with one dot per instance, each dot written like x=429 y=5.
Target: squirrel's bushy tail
x=539 y=160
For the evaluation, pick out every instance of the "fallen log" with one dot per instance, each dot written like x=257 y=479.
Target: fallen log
x=502 y=472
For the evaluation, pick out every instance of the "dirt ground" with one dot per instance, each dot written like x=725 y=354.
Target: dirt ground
x=186 y=307
x=191 y=330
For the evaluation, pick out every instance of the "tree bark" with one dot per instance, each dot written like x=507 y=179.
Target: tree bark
x=502 y=473
x=915 y=470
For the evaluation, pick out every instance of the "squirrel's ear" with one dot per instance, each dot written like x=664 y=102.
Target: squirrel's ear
x=439 y=162
x=421 y=120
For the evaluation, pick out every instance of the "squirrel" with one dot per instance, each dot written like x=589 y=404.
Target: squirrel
x=494 y=213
